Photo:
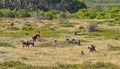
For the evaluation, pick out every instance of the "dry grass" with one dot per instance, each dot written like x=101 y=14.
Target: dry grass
x=52 y=56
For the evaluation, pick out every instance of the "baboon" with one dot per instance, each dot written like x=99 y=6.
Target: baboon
x=55 y=41
x=68 y=41
x=11 y=24
x=82 y=52
x=109 y=46
x=27 y=43
x=34 y=37
x=75 y=33
x=73 y=41
x=78 y=42
x=92 y=48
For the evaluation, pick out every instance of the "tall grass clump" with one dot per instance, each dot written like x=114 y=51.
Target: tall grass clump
x=12 y=28
x=105 y=33
x=27 y=28
x=65 y=23
x=5 y=44
x=86 y=65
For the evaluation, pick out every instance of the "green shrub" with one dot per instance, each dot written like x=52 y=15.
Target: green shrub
x=23 y=13
x=27 y=28
x=7 y=13
x=1 y=14
x=92 y=15
x=52 y=14
x=5 y=44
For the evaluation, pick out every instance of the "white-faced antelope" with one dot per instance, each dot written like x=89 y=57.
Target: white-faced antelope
x=34 y=37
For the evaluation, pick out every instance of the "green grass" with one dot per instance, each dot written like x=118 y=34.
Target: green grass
x=67 y=24
x=55 y=33
x=47 y=32
x=86 y=65
x=5 y=44
x=15 y=65
x=106 y=33
x=27 y=28
x=15 y=34
x=12 y=28
x=115 y=49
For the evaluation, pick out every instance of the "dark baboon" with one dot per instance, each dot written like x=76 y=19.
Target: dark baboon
x=82 y=52
x=73 y=41
x=11 y=24
x=55 y=41
x=68 y=41
x=78 y=42
x=109 y=46
x=92 y=48
x=75 y=33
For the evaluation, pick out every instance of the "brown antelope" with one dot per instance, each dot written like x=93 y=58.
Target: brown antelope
x=34 y=37
x=27 y=43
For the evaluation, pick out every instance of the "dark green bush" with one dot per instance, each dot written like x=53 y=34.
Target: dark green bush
x=52 y=14
x=7 y=13
x=23 y=13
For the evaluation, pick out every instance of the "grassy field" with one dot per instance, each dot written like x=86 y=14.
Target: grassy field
x=62 y=56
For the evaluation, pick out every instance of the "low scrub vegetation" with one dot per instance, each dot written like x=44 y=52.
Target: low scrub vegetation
x=27 y=28
x=66 y=24
x=106 y=33
x=5 y=44
x=12 y=28
x=97 y=12
x=86 y=65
